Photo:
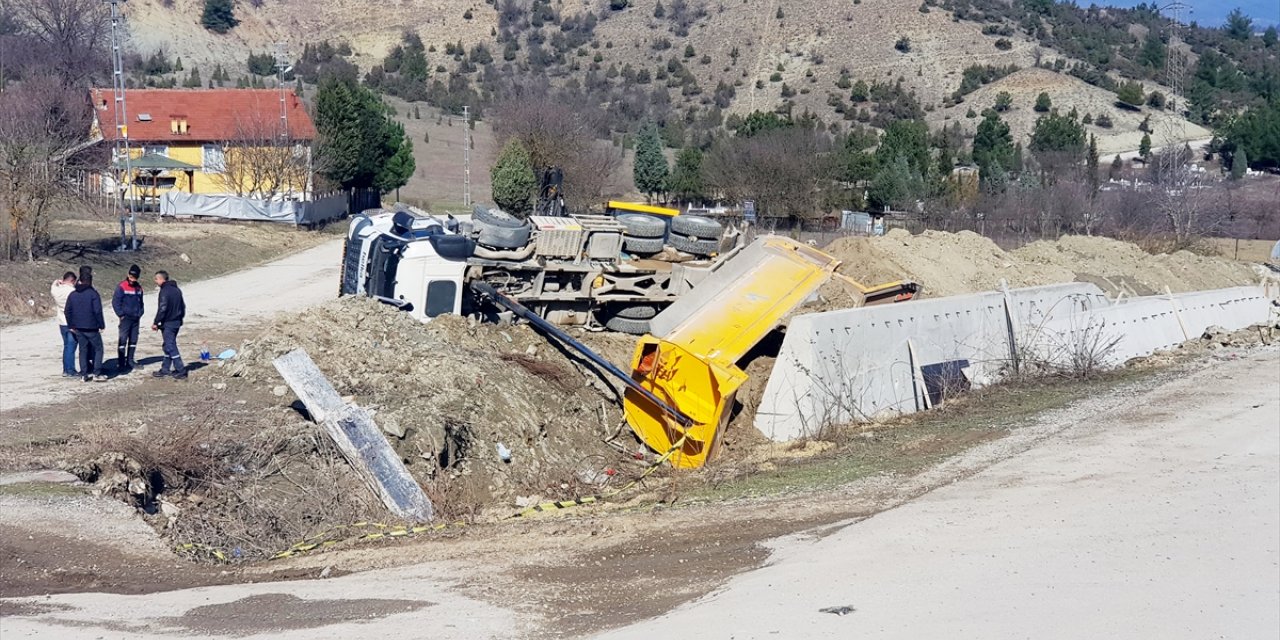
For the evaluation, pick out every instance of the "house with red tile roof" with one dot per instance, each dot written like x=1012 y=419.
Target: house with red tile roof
x=247 y=142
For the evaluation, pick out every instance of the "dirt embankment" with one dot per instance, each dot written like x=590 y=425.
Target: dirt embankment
x=948 y=264
x=451 y=393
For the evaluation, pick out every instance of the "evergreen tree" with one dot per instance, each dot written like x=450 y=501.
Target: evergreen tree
x=1144 y=147
x=1153 y=53
x=650 y=170
x=1238 y=25
x=1269 y=38
x=193 y=81
x=361 y=139
x=1131 y=95
x=1117 y=168
x=1091 y=165
x=1239 y=164
x=513 y=180
x=1004 y=101
x=1043 y=103
x=992 y=147
x=398 y=168
x=219 y=16
x=686 y=178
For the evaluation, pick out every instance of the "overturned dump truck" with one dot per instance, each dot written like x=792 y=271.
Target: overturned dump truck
x=699 y=314
x=574 y=270
x=689 y=359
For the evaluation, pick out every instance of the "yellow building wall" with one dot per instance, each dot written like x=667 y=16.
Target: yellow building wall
x=204 y=182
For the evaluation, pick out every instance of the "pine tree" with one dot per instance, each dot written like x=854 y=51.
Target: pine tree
x=1091 y=165
x=1043 y=103
x=1117 y=168
x=686 y=178
x=992 y=147
x=193 y=80
x=1239 y=164
x=219 y=16
x=1144 y=147
x=513 y=179
x=650 y=170
x=397 y=169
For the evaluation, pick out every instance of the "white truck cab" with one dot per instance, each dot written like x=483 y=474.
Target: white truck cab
x=410 y=260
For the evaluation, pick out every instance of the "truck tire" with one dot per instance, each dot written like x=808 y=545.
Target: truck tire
x=642 y=226
x=496 y=218
x=696 y=226
x=627 y=325
x=636 y=311
x=643 y=246
x=697 y=247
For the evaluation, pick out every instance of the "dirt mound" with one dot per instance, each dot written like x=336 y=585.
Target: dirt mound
x=948 y=264
x=1121 y=266
x=944 y=263
x=449 y=392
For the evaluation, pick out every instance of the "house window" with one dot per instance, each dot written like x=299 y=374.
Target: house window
x=212 y=158
x=155 y=149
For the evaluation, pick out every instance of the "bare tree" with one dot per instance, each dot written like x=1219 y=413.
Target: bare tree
x=43 y=131
x=67 y=36
x=560 y=130
x=782 y=170
x=258 y=162
x=1186 y=198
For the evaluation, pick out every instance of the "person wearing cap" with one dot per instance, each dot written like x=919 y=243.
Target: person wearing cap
x=171 y=309
x=127 y=303
x=60 y=289
x=84 y=319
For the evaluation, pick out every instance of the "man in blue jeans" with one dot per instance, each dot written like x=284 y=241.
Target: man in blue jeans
x=60 y=290
x=170 y=311
x=84 y=318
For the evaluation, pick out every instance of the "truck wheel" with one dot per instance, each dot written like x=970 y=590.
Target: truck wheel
x=644 y=246
x=642 y=226
x=697 y=247
x=697 y=226
x=627 y=325
x=636 y=312
x=496 y=218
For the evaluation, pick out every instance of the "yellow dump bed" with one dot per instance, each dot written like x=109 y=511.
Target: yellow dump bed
x=689 y=359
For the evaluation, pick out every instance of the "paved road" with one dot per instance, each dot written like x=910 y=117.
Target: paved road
x=30 y=354
x=1163 y=522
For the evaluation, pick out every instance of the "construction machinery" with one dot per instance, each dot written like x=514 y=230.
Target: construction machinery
x=700 y=317
x=573 y=269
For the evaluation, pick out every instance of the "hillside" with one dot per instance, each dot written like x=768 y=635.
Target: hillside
x=745 y=49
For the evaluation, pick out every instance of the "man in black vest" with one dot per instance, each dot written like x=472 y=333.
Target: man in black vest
x=170 y=310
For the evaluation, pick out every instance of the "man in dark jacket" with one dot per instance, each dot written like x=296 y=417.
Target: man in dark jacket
x=84 y=319
x=170 y=310
x=127 y=303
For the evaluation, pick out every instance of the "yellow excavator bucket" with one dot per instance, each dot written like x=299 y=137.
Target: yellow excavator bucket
x=689 y=358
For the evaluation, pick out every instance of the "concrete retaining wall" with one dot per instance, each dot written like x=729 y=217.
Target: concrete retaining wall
x=855 y=364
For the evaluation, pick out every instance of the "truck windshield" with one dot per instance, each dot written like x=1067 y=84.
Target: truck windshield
x=383 y=262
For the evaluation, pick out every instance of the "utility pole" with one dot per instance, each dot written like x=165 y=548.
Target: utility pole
x=121 y=149
x=466 y=157
x=1174 y=62
x=282 y=67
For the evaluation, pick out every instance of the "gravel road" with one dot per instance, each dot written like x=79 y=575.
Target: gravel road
x=1162 y=521
x=30 y=354
x=1155 y=514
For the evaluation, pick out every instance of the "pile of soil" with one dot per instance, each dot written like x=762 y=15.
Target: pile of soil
x=947 y=264
x=449 y=392
x=1117 y=266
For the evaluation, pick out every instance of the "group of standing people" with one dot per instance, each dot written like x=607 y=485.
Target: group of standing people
x=81 y=321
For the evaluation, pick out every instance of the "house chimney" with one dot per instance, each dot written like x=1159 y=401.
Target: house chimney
x=182 y=126
x=173 y=126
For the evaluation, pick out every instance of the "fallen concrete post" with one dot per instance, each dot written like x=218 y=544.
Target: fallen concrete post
x=353 y=430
